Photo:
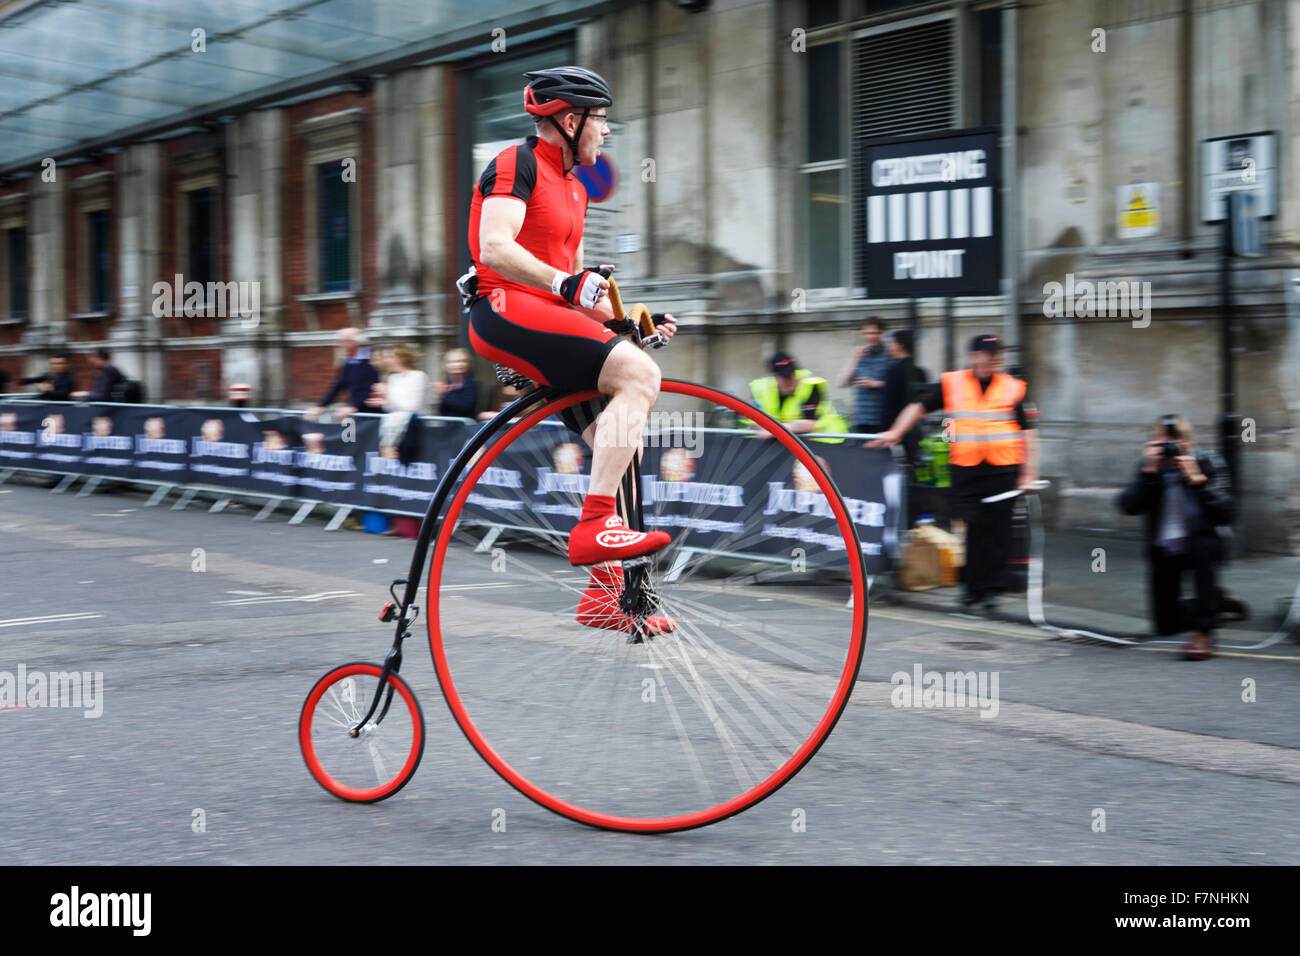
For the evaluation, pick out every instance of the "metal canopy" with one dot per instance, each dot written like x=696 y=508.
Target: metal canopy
x=76 y=75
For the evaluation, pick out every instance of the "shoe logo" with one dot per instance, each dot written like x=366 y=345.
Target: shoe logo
x=619 y=539
x=613 y=521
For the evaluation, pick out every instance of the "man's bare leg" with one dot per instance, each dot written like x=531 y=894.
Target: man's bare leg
x=631 y=379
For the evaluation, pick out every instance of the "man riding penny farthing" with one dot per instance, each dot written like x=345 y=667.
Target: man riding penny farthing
x=654 y=645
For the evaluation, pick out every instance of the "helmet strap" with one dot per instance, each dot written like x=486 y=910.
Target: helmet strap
x=573 y=140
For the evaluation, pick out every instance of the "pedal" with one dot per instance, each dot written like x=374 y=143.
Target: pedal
x=389 y=612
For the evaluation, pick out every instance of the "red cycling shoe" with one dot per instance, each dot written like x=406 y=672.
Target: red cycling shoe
x=601 y=535
x=599 y=605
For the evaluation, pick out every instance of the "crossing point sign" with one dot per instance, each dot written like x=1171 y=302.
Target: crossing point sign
x=933 y=216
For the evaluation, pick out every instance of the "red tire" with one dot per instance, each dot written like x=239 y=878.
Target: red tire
x=343 y=763
x=838 y=677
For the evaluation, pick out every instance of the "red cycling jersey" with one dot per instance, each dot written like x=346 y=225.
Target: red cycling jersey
x=556 y=204
x=535 y=331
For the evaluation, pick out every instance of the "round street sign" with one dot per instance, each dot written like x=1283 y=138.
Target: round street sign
x=599 y=178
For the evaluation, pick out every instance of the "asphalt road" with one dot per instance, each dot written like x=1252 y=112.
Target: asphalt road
x=204 y=674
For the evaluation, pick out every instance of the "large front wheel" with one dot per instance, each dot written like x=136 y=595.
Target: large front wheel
x=633 y=731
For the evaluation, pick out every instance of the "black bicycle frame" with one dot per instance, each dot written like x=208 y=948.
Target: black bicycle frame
x=429 y=528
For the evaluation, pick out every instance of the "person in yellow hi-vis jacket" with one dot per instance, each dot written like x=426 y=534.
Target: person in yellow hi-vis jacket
x=992 y=449
x=797 y=399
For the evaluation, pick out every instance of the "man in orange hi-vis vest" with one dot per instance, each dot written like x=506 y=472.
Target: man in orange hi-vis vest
x=993 y=449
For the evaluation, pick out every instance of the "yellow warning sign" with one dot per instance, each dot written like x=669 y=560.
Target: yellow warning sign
x=1139 y=210
x=1139 y=214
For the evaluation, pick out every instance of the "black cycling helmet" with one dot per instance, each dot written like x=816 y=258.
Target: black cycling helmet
x=551 y=91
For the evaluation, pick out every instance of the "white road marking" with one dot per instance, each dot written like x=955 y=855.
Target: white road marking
x=308 y=598
x=49 y=619
x=475 y=587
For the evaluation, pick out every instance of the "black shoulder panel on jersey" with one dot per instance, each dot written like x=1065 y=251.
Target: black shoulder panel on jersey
x=523 y=178
x=489 y=177
x=525 y=170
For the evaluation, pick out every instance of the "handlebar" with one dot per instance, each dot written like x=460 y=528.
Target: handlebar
x=640 y=323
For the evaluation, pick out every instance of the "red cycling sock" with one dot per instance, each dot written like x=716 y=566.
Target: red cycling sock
x=596 y=505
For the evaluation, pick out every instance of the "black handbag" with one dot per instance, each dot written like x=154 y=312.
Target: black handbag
x=408 y=448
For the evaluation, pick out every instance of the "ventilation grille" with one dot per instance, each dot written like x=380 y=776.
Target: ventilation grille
x=904 y=82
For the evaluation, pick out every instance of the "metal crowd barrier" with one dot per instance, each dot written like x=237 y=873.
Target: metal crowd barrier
x=223 y=496
x=191 y=490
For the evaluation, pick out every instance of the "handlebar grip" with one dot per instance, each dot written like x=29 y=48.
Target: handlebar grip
x=616 y=300
x=640 y=314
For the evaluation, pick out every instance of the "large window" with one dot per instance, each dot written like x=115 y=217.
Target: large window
x=201 y=238
x=16 y=277
x=334 y=227
x=332 y=174
x=99 y=262
x=825 y=170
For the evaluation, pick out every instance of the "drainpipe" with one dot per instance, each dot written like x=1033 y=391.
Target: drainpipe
x=1011 y=182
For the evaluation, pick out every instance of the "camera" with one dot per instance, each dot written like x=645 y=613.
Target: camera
x=1171 y=447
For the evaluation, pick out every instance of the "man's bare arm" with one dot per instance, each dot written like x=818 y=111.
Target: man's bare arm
x=907 y=418
x=499 y=223
x=1029 y=470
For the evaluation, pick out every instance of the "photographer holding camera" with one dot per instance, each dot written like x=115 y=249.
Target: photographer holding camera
x=1185 y=495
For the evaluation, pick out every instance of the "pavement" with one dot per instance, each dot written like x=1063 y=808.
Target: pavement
x=1097 y=581
x=1093 y=754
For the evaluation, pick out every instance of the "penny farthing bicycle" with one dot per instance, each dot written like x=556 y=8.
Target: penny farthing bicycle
x=620 y=729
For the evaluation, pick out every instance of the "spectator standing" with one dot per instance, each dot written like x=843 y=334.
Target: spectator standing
x=405 y=393
x=903 y=382
x=797 y=399
x=356 y=377
x=993 y=449
x=107 y=379
x=460 y=391
x=865 y=371
x=1184 y=495
x=55 y=385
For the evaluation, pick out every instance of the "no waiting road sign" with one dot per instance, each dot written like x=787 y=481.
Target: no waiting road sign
x=599 y=178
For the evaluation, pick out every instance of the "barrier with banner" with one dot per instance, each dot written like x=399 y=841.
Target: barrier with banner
x=280 y=454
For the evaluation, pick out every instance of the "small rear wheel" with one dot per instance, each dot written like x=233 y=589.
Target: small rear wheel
x=356 y=762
